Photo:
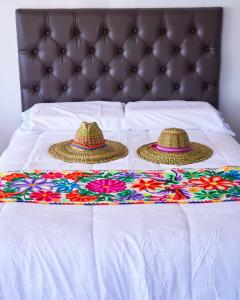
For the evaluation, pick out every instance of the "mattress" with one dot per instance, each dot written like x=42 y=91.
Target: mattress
x=142 y=252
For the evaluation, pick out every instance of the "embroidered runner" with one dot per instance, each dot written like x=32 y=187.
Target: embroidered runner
x=121 y=187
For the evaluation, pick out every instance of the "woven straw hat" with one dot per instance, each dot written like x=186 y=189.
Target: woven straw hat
x=174 y=148
x=88 y=146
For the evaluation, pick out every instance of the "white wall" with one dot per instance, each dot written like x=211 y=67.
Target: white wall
x=9 y=81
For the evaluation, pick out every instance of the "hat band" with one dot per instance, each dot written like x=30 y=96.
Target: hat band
x=171 y=150
x=85 y=147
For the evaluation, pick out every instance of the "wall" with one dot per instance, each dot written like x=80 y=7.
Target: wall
x=10 y=107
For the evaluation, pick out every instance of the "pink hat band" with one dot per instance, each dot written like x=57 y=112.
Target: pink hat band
x=171 y=150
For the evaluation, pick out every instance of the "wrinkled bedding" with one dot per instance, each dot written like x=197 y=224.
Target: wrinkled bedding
x=139 y=252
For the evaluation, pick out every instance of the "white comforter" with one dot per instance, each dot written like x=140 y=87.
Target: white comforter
x=136 y=252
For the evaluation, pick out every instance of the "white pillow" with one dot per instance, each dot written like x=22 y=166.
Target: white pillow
x=157 y=115
x=69 y=115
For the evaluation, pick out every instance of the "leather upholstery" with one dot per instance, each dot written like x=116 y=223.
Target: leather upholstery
x=119 y=54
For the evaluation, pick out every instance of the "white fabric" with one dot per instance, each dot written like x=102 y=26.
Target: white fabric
x=152 y=115
x=29 y=150
x=69 y=115
x=111 y=116
x=135 y=252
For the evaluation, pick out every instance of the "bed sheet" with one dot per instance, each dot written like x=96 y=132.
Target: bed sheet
x=29 y=150
x=139 y=252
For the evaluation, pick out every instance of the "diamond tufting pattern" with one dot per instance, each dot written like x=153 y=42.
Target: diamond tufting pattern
x=119 y=54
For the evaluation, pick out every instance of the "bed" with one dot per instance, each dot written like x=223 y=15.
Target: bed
x=154 y=68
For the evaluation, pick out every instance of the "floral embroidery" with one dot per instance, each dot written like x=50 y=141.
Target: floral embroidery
x=76 y=197
x=76 y=175
x=130 y=195
x=4 y=195
x=32 y=184
x=143 y=185
x=106 y=186
x=121 y=187
x=13 y=176
x=47 y=196
x=127 y=174
x=64 y=186
x=212 y=183
x=52 y=175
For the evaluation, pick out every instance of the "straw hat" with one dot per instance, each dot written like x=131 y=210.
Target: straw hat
x=88 y=146
x=174 y=148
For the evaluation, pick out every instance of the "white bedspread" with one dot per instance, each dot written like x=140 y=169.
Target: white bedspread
x=135 y=252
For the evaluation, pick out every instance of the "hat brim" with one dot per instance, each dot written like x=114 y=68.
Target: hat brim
x=64 y=151
x=198 y=153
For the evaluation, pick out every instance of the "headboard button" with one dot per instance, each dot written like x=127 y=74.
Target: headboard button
x=105 y=31
x=119 y=50
x=176 y=86
x=191 y=67
x=36 y=88
x=78 y=69
x=134 y=69
x=163 y=69
x=92 y=50
x=163 y=31
x=92 y=86
x=64 y=88
x=148 y=86
x=47 y=31
x=76 y=31
x=49 y=70
x=120 y=86
x=193 y=30
x=63 y=51
x=177 y=49
x=35 y=51
x=105 y=68
x=135 y=30
x=149 y=49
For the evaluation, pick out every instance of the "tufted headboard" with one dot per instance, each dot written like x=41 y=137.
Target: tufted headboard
x=119 y=54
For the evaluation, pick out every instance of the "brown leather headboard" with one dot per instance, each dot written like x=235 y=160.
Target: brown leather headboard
x=119 y=54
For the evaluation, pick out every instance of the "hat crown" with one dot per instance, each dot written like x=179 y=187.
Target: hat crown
x=174 y=138
x=89 y=135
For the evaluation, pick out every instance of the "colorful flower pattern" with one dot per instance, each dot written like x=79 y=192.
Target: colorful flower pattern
x=106 y=186
x=213 y=183
x=45 y=196
x=146 y=185
x=121 y=187
x=52 y=175
x=31 y=184
x=77 y=197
